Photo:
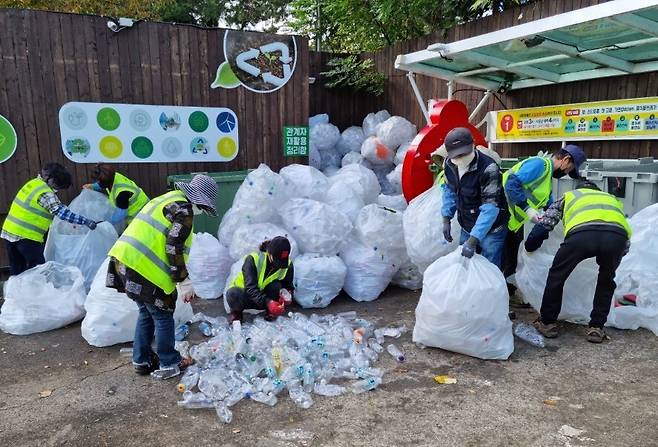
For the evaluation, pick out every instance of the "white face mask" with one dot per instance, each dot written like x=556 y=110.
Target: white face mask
x=464 y=161
x=196 y=210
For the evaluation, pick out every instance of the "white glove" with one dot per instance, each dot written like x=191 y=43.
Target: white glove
x=185 y=290
x=533 y=215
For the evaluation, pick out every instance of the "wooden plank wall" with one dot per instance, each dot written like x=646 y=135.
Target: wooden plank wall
x=50 y=58
x=346 y=108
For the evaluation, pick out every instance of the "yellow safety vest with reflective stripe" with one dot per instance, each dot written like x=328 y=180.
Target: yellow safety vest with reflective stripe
x=142 y=246
x=583 y=206
x=537 y=193
x=440 y=178
x=137 y=200
x=260 y=259
x=27 y=219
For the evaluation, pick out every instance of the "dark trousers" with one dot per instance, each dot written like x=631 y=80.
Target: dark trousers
x=23 y=255
x=513 y=241
x=607 y=247
x=238 y=300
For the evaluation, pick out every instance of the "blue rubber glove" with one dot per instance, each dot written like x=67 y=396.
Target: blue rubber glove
x=469 y=247
x=536 y=238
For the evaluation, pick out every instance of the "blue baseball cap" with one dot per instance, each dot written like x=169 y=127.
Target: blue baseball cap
x=578 y=156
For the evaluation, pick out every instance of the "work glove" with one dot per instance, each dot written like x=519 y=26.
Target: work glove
x=276 y=308
x=533 y=215
x=446 y=230
x=88 y=186
x=469 y=247
x=186 y=290
x=286 y=296
x=536 y=238
x=92 y=225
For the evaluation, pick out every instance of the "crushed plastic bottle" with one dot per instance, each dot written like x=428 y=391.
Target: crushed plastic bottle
x=224 y=413
x=301 y=398
x=395 y=352
x=182 y=331
x=267 y=399
x=375 y=346
x=189 y=379
x=328 y=389
x=529 y=334
x=366 y=385
x=126 y=352
x=205 y=328
x=193 y=400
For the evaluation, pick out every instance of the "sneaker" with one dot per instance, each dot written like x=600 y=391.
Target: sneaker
x=595 y=335
x=166 y=372
x=517 y=302
x=144 y=369
x=547 y=330
x=235 y=316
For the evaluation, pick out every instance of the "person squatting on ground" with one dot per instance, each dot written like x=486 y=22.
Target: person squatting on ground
x=148 y=262
x=265 y=281
x=595 y=227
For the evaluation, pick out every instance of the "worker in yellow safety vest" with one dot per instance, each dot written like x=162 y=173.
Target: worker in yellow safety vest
x=594 y=227
x=528 y=189
x=124 y=194
x=265 y=281
x=148 y=263
x=31 y=214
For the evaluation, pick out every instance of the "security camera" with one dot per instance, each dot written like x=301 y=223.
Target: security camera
x=112 y=25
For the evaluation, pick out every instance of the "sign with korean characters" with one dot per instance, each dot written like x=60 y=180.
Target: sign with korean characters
x=295 y=141
x=624 y=119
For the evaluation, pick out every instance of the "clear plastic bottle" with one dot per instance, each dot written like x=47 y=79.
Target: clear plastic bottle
x=364 y=373
x=182 y=331
x=205 y=328
x=529 y=334
x=189 y=379
x=395 y=352
x=193 y=400
x=366 y=385
x=267 y=399
x=308 y=379
x=224 y=413
x=323 y=388
x=301 y=398
x=126 y=352
x=375 y=346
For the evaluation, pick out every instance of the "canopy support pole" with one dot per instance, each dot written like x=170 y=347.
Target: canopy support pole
x=419 y=97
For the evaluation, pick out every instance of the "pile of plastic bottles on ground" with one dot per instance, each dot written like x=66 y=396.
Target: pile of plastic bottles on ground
x=295 y=355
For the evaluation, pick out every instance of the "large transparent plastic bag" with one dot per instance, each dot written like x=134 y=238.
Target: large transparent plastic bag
x=261 y=187
x=395 y=131
x=248 y=238
x=208 y=266
x=401 y=153
x=376 y=152
x=317 y=227
x=46 y=297
x=343 y=198
x=395 y=202
x=423 y=229
x=350 y=140
x=373 y=120
x=408 y=276
x=305 y=182
x=331 y=158
x=361 y=179
x=369 y=271
x=355 y=158
x=236 y=218
x=318 y=279
x=324 y=136
x=464 y=308
x=395 y=179
x=77 y=245
x=111 y=316
x=321 y=118
x=314 y=156
x=382 y=172
x=330 y=171
x=381 y=229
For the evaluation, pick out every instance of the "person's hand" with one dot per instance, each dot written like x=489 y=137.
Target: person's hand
x=469 y=247
x=446 y=230
x=88 y=186
x=536 y=238
x=186 y=290
x=286 y=296
x=276 y=308
x=533 y=215
x=92 y=225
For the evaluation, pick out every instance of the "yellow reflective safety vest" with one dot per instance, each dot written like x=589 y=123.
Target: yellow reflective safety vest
x=27 y=219
x=260 y=259
x=141 y=247
x=440 y=178
x=537 y=193
x=583 y=206
x=137 y=200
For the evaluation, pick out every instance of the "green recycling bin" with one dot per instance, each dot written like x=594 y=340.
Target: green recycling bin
x=227 y=186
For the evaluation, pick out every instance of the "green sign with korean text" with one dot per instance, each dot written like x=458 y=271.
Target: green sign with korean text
x=295 y=141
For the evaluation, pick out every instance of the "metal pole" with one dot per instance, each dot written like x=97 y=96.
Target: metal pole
x=450 y=89
x=318 y=37
x=481 y=104
x=419 y=97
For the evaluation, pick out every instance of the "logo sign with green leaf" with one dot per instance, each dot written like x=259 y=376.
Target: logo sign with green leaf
x=8 y=140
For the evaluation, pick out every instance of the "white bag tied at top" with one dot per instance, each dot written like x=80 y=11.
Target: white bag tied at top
x=208 y=266
x=318 y=279
x=361 y=179
x=350 y=140
x=381 y=229
x=305 y=182
x=464 y=308
x=369 y=271
x=46 y=297
x=77 y=245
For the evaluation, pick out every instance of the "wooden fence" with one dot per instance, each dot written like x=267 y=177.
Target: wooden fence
x=49 y=59
x=347 y=108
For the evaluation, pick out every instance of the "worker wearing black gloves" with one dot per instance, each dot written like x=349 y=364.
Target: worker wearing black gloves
x=595 y=227
x=265 y=282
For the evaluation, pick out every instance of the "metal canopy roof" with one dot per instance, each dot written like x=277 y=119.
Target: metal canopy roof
x=610 y=39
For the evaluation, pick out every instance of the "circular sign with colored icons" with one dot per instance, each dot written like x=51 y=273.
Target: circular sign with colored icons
x=8 y=140
x=140 y=133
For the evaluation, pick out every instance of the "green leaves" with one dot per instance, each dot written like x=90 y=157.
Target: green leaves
x=354 y=73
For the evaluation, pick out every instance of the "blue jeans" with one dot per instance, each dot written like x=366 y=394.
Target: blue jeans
x=491 y=247
x=154 y=321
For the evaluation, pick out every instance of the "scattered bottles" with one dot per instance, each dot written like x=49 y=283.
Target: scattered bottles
x=301 y=398
x=323 y=388
x=366 y=385
x=182 y=331
x=529 y=334
x=395 y=352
